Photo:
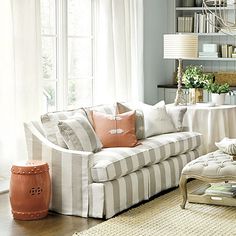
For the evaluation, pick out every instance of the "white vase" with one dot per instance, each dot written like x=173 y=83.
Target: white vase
x=218 y=99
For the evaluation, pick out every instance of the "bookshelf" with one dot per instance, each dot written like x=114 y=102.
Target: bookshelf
x=199 y=8
x=212 y=59
x=210 y=64
x=168 y=92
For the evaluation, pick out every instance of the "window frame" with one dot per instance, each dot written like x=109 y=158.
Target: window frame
x=61 y=39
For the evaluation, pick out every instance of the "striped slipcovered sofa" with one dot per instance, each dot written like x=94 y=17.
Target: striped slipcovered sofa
x=107 y=182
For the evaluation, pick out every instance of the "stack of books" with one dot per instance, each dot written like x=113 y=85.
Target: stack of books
x=222 y=189
x=227 y=51
x=208 y=54
x=209 y=50
x=185 y=24
x=204 y=23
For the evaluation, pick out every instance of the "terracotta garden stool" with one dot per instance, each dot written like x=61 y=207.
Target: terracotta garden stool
x=30 y=190
x=211 y=168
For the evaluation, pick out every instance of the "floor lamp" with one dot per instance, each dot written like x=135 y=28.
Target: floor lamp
x=178 y=46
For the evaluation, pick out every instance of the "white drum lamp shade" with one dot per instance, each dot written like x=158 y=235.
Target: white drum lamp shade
x=178 y=46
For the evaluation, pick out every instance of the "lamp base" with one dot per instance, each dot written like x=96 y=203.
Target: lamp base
x=179 y=99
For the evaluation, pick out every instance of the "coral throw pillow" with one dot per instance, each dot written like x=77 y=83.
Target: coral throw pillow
x=115 y=131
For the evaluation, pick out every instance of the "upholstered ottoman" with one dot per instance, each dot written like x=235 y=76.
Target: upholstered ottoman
x=213 y=167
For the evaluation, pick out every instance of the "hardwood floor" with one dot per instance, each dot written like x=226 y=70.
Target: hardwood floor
x=53 y=225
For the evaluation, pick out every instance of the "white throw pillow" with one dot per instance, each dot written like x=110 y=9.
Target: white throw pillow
x=227 y=145
x=156 y=120
x=177 y=115
x=78 y=134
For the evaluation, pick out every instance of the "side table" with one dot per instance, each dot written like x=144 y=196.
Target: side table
x=30 y=190
x=214 y=123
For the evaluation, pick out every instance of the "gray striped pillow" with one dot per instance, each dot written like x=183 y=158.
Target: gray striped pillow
x=79 y=135
x=107 y=109
x=50 y=121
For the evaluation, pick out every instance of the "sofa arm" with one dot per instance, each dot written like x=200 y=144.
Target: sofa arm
x=68 y=170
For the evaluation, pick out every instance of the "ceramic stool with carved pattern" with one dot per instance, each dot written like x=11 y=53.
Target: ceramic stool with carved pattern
x=30 y=190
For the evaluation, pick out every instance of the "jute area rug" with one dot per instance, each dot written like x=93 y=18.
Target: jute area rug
x=163 y=216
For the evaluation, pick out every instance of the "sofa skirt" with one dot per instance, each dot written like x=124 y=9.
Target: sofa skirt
x=109 y=198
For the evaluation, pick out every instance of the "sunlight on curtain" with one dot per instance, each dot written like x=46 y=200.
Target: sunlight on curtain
x=118 y=51
x=20 y=88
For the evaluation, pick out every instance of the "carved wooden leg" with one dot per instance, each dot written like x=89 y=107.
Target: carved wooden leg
x=183 y=190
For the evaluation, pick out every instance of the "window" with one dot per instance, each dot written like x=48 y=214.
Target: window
x=67 y=53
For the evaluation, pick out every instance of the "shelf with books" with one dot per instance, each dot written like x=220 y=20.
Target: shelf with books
x=200 y=196
x=210 y=59
x=200 y=8
x=191 y=21
x=219 y=189
x=196 y=22
x=203 y=34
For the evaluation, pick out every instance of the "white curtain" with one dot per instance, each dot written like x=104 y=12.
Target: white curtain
x=118 y=51
x=20 y=87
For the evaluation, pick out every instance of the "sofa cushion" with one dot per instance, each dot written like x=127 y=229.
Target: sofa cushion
x=177 y=115
x=79 y=135
x=156 y=120
x=227 y=145
x=139 y=123
x=106 y=109
x=112 y=163
x=115 y=130
x=50 y=121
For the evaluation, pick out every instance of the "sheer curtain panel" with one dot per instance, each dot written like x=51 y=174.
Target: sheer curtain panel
x=20 y=76
x=118 y=50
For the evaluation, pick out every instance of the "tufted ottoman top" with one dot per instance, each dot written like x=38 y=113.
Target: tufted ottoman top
x=213 y=165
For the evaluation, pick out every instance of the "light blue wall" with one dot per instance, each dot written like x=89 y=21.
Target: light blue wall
x=158 y=20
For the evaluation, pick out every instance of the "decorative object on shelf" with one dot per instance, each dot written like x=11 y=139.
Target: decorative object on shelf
x=198 y=3
x=224 y=22
x=184 y=47
x=218 y=92
x=195 y=80
x=188 y=3
x=209 y=50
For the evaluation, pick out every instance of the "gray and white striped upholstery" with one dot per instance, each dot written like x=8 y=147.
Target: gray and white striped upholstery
x=74 y=192
x=78 y=134
x=122 y=193
x=113 y=163
x=68 y=171
x=107 y=109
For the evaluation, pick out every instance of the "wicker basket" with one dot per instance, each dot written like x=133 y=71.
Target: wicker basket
x=225 y=77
